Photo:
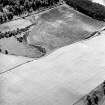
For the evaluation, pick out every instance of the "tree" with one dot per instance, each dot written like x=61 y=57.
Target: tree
x=6 y=52
x=89 y=8
x=10 y=16
x=1 y=19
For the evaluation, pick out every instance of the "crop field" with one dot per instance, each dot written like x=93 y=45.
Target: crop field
x=61 y=78
x=8 y=62
x=12 y=46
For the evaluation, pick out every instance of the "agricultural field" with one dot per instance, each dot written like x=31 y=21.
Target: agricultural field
x=17 y=45
x=9 y=62
x=54 y=57
x=61 y=78
x=13 y=25
x=16 y=48
x=52 y=29
x=62 y=26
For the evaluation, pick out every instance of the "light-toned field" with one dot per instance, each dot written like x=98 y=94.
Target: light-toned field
x=13 y=25
x=15 y=47
x=8 y=62
x=99 y=1
x=19 y=49
x=60 y=78
x=54 y=29
x=63 y=76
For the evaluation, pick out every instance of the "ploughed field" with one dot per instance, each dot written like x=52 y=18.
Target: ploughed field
x=54 y=28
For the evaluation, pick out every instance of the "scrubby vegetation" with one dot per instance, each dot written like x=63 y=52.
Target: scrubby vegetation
x=94 y=10
x=9 y=8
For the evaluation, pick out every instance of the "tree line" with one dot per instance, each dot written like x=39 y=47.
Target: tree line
x=94 y=10
x=13 y=33
x=18 y=31
x=9 y=8
x=6 y=17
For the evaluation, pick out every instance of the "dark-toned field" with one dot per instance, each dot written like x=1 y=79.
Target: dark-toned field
x=67 y=76
x=62 y=26
x=54 y=28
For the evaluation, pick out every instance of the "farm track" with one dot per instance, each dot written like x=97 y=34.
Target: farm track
x=26 y=28
x=90 y=94
x=20 y=31
x=15 y=67
x=46 y=54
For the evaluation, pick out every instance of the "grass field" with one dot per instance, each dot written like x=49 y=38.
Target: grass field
x=62 y=26
x=61 y=78
x=15 y=47
x=13 y=25
x=20 y=49
x=8 y=62
x=54 y=28
x=64 y=76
